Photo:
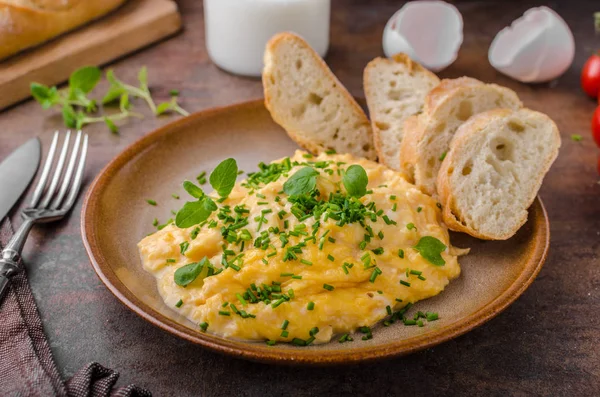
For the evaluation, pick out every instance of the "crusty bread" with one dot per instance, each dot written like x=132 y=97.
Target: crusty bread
x=310 y=103
x=494 y=169
x=395 y=90
x=446 y=107
x=27 y=23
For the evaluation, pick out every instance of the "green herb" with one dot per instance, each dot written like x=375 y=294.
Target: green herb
x=328 y=287
x=401 y=253
x=431 y=316
x=431 y=248
x=194 y=212
x=224 y=313
x=411 y=226
x=175 y=196
x=188 y=273
x=310 y=306
x=285 y=324
x=303 y=181
x=170 y=106
x=576 y=137
x=174 y=92
x=193 y=190
x=194 y=233
x=406 y=283
x=376 y=272
x=378 y=251
x=171 y=260
x=355 y=181
x=443 y=156
x=151 y=202
x=179 y=303
x=223 y=177
x=419 y=209
x=330 y=257
x=183 y=247
x=203 y=326
x=330 y=151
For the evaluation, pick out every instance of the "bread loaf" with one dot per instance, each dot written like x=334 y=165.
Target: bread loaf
x=27 y=23
x=310 y=103
x=395 y=90
x=494 y=169
x=446 y=107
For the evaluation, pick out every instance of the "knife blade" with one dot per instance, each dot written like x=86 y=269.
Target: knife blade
x=16 y=173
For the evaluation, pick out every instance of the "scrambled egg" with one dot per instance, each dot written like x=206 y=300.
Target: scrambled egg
x=335 y=284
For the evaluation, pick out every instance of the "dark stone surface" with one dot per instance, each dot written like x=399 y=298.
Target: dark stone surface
x=546 y=343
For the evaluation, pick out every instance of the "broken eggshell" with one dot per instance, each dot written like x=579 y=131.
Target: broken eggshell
x=535 y=48
x=430 y=32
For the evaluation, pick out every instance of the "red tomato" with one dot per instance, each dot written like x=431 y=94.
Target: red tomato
x=590 y=76
x=599 y=164
x=596 y=126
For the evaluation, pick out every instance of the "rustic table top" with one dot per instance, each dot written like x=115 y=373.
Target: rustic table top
x=547 y=342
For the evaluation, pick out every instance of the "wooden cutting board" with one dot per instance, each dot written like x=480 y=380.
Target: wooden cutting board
x=134 y=25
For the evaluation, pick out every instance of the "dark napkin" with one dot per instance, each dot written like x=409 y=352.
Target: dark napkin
x=27 y=367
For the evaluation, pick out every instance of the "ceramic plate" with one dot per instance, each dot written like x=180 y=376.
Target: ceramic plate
x=116 y=216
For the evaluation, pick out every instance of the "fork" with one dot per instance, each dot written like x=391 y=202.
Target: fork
x=48 y=202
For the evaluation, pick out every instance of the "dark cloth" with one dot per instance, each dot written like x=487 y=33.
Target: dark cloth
x=27 y=367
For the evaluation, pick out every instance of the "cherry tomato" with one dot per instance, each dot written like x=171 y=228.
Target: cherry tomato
x=599 y=164
x=596 y=126
x=590 y=76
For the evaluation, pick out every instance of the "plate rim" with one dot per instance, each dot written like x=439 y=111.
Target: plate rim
x=262 y=352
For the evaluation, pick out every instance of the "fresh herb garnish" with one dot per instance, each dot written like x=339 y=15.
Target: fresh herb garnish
x=193 y=190
x=194 y=212
x=431 y=248
x=223 y=177
x=302 y=182
x=576 y=137
x=355 y=181
x=188 y=273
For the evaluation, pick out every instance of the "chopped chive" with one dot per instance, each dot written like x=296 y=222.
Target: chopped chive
x=183 y=247
x=405 y=283
x=241 y=299
x=310 y=306
x=420 y=323
x=409 y=322
x=271 y=342
x=330 y=151
x=305 y=262
x=328 y=287
x=411 y=226
x=285 y=324
x=421 y=278
x=224 y=304
x=431 y=316
x=394 y=207
x=443 y=156
x=224 y=313
x=401 y=253
x=398 y=300
x=194 y=233
x=313 y=331
x=378 y=251
x=388 y=309
x=330 y=257
x=155 y=222
x=393 y=197
x=175 y=196
x=376 y=272
x=286 y=274
x=331 y=239
x=203 y=326
x=171 y=260
x=284 y=334
x=344 y=338
x=151 y=202
x=380 y=235
x=178 y=304
x=298 y=342
x=416 y=272
x=296 y=277
x=419 y=209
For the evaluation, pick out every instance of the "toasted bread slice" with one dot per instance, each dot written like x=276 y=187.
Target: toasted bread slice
x=446 y=107
x=310 y=103
x=494 y=169
x=395 y=90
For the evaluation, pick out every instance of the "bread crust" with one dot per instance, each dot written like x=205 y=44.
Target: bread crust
x=413 y=68
x=297 y=136
x=472 y=127
x=25 y=24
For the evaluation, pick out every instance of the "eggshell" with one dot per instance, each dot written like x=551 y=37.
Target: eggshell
x=430 y=32
x=537 y=47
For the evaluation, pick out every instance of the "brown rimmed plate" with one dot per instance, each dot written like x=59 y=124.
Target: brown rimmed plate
x=115 y=217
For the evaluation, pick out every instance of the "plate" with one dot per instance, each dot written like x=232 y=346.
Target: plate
x=115 y=216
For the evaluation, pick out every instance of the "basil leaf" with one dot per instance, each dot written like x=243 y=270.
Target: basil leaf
x=46 y=96
x=69 y=116
x=430 y=248
x=355 y=181
x=194 y=212
x=111 y=125
x=223 y=177
x=193 y=190
x=302 y=182
x=84 y=79
x=188 y=273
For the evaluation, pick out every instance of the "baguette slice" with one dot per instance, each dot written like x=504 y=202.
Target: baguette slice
x=494 y=169
x=310 y=103
x=395 y=90
x=446 y=107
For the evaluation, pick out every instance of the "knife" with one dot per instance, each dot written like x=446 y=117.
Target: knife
x=16 y=173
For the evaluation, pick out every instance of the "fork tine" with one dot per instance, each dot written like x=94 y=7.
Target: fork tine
x=57 y=172
x=76 y=185
x=39 y=189
x=68 y=173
